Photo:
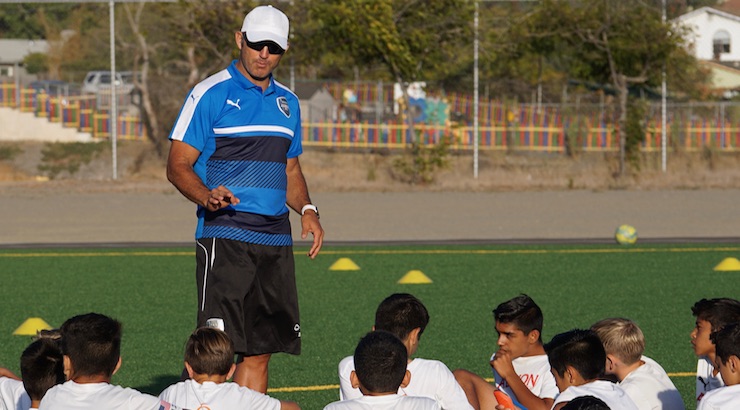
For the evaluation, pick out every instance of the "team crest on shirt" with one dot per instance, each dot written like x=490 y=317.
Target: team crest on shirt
x=282 y=104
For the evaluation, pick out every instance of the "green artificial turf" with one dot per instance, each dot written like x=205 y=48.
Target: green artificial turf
x=152 y=291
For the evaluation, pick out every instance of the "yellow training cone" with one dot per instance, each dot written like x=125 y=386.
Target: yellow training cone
x=728 y=264
x=31 y=327
x=414 y=277
x=344 y=264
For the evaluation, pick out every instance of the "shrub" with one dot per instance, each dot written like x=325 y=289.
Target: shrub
x=9 y=151
x=420 y=162
x=58 y=157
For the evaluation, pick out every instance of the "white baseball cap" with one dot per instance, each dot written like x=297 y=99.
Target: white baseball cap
x=266 y=23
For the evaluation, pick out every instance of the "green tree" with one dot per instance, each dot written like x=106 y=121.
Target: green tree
x=173 y=47
x=35 y=63
x=411 y=39
x=623 y=43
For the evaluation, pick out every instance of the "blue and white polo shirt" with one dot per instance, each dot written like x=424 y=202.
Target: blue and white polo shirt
x=245 y=138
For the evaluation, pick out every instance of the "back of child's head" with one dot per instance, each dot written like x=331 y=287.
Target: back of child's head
x=586 y=403
x=520 y=311
x=42 y=367
x=93 y=344
x=621 y=338
x=209 y=351
x=727 y=341
x=718 y=311
x=400 y=313
x=580 y=349
x=380 y=362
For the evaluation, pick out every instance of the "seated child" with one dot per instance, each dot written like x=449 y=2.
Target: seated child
x=711 y=315
x=642 y=378
x=209 y=361
x=727 y=346
x=404 y=316
x=92 y=354
x=577 y=360
x=380 y=371
x=520 y=366
x=586 y=403
x=41 y=368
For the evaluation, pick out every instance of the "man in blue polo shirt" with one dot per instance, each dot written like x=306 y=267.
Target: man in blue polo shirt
x=234 y=152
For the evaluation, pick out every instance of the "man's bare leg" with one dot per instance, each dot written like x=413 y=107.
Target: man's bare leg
x=251 y=371
x=477 y=389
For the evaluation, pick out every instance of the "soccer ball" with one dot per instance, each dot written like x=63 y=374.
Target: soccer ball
x=626 y=235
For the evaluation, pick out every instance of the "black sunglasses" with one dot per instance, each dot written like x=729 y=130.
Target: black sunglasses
x=272 y=47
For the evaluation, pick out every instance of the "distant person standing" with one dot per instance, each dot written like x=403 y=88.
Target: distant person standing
x=234 y=152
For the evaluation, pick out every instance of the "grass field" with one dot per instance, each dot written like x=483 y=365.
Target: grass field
x=152 y=291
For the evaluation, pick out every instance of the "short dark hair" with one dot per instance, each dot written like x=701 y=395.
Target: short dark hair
x=580 y=349
x=380 y=362
x=93 y=343
x=727 y=341
x=400 y=313
x=718 y=311
x=586 y=403
x=209 y=351
x=42 y=367
x=522 y=312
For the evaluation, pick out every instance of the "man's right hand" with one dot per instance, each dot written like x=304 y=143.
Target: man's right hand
x=219 y=198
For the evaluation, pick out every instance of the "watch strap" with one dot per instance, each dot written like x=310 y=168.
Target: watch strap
x=309 y=207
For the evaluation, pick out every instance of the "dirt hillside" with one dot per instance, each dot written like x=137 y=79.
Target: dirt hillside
x=332 y=171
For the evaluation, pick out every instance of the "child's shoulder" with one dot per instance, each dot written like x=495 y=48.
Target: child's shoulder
x=12 y=393
x=717 y=397
x=426 y=364
x=9 y=382
x=347 y=361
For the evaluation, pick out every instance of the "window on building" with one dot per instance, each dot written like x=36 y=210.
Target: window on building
x=6 y=71
x=721 y=43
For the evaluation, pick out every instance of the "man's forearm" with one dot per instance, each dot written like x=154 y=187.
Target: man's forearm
x=297 y=191
x=188 y=183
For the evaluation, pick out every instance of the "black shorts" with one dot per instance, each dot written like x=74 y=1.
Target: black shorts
x=250 y=291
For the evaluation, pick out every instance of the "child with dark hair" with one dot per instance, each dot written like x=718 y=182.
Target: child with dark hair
x=209 y=361
x=711 y=315
x=520 y=366
x=380 y=370
x=577 y=360
x=41 y=368
x=727 y=346
x=91 y=344
x=586 y=403
x=406 y=317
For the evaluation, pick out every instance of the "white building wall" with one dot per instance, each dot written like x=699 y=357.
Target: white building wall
x=703 y=25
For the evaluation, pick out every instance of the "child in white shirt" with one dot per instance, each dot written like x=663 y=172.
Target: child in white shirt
x=711 y=315
x=642 y=378
x=727 y=344
x=577 y=358
x=380 y=370
x=209 y=361
x=92 y=354
x=406 y=317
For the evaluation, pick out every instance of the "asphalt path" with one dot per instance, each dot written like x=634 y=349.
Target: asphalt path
x=35 y=218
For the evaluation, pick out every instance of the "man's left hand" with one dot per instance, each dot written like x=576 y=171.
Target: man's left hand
x=310 y=224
